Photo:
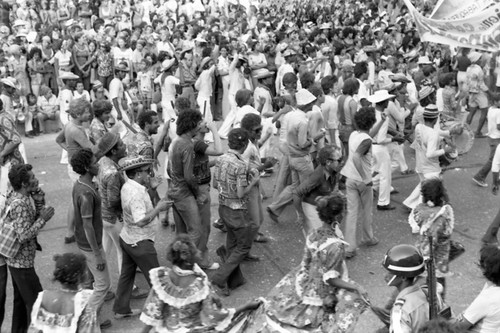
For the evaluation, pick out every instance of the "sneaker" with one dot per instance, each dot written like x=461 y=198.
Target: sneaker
x=105 y=324
x=478 y=182
x=211 y=267
x=350 y=254
x=218 y=224
x=139 y=293
x=408 y=172
x=132 y=313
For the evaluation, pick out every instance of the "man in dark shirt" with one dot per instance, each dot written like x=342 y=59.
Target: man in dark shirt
x=320 y=183
x=88 y=225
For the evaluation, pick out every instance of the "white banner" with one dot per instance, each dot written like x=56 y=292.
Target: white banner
x=457 y=9
x=480 y=31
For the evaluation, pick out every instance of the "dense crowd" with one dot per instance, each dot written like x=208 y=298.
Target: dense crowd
x=323 y=97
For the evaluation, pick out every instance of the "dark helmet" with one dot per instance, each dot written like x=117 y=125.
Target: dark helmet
x=404 y=260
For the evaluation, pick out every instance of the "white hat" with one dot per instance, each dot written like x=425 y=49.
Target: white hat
x=424 y=60
x=9 y=81
x=474 y=56
x=379 y=96
x=19 y=23
x=304 y=97
x=200 y=40
x=325 y=26
x=68 y=76
x=347 y=63
x=262 y=73
x=167 y=63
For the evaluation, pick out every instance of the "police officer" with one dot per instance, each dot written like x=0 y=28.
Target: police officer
x=410 y=311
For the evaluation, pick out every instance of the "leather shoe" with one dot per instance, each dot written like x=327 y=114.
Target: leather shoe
x=272 y=215
x=251 y=257
x=385 y=207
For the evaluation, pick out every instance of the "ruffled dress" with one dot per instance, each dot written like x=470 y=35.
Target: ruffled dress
x=83 y=320
x=303 y=301
x=194 y=309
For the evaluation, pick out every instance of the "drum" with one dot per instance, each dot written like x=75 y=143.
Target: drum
x=462 y=142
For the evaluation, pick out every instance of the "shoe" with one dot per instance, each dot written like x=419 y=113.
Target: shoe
x=138 y=293
x=272 y=215
x=69 y=240
x=408 y=172
x=222 y=253
x=479 y=135
x=478 y=182
x=350 y=254
x=394 y=191
x=385 y=207
x=105 y=324
x=221 y=291
x=218 y=224
x=132 y=313
x=251 y=257
x=109 y=296
x=261 y=238
x=372 y=242
x=212 y=267
x=29 y=135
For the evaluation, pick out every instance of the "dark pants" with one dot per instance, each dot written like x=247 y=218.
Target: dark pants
x=143 y=255
x=482 y=118
x=105 y=80
x=240 y=235
x=26 y=288
x=483 y=172
x=3 y=292
x=491 y=233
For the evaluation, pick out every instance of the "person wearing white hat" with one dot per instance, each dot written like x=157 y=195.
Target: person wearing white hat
x=477 y=89
x=381 y=156
x=299 y=145
x=168 y=82
x=287 y=67
x=119 y=99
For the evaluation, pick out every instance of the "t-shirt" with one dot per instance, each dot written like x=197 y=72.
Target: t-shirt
x=76 y=138
x=86 y=203
x=349 y=170
x=181 y=169
x=201 y=167
x=493 y=121
x=484 y=311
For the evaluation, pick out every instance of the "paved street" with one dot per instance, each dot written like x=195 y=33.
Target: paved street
x=474 y=207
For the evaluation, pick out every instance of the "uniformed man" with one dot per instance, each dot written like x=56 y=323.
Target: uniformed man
x=410 y=311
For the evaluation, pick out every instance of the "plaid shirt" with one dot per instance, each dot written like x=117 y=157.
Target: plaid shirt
x=27 y=224
x=230 y=172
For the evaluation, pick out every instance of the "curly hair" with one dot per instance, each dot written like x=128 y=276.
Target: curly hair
x=325 y=153
x=187 y=121
x=146 y=117
x=33 y=51
x=351 y=86
x=19 y=175
x=78 y=106
x=328 y=82
x=182 y=104
x=182 y=251
x=360 y=68
x=242 y=97
x=81 y=161
x=307 y=80
x=330 y=207
x=238 y=138
x=249 y=121
x=99 y=107
x=365 y=118
x=433 y=190
x=490 y=263
x=70 y=267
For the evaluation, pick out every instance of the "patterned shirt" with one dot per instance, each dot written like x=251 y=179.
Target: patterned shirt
x=141 y=144
x=97 y=130
x=110 y=182
x=9 y=133
x=27 y=224
x=105 y=64
x=229 y=173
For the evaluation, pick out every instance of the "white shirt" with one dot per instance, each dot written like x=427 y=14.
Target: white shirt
x=65 y=97
x=204 y=83
x=427 y=150
x=241 y=112
x=349 y=170
x=493 y=122
x=136 y=203
x=268 y=104
x=329 y=109
x=167 y=87
x=484 y=311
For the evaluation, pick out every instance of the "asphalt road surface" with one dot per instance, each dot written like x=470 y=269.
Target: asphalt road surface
x=474 y=208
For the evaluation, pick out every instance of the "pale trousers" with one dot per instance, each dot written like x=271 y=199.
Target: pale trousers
x=312 y=220
x=359 y=210
x=102 y=281
x=416 y=197
x=397 y=157
x=382 y=165
x=227 y=125
x=111 y=239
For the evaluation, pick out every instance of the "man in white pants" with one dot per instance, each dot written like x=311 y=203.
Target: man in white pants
x=204 y=85
x=119 y=99
x=381 y=155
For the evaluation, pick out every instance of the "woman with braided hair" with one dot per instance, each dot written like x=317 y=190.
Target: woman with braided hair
x=182 y=299
x=65 y=310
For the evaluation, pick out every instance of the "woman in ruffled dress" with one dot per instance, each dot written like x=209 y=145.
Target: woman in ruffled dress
x=317 y=296
x=65 y=310
x=182 y=299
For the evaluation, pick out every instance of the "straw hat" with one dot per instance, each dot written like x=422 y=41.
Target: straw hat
x=399 y=77
x=134 y=162
x=167 y=64
x=474 y=56
x=424 y=60
x=379 y=96
x=69 y=76
x=425 y=91
x=9 y=81
x=122 y=66
x=289 y=52
x=204 y=61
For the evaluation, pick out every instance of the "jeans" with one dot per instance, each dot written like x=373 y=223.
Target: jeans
x=483 y=172
x=102 y=282
x=26 y=286
x=188 y=220
x=3 y=292
x=301 y=168
x=240 y=235
x=204 y=209
x=359 y=209
x=142 y=254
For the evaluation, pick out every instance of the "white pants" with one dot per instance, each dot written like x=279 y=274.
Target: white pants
x=382 y=165
x=206 y=111
x=416 y=197
x=110 y=240
x=227 y=125
x=397 y=157
x=312 y=220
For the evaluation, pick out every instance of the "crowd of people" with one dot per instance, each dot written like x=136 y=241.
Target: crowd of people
x=324 y=97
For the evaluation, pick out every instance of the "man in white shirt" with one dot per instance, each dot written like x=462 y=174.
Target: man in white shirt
x=139 y=228
x=119 y=99
x=205 y=88
x=48 y=107
x=493 y=140
x=361 y=74
x=329 y=109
